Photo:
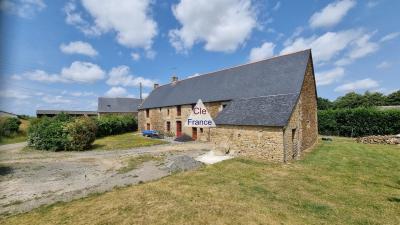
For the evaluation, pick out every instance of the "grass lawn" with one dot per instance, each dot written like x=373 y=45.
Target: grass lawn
x=124 y=141
x=340 y=182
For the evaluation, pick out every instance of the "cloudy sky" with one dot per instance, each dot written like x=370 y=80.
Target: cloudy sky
x=64 y=54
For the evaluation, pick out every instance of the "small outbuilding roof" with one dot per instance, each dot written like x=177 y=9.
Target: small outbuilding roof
x=274 y=76
x=273 y=110
x=118 y=104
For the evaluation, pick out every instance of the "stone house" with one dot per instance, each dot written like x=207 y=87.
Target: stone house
x=118 y=106
x=265 y=109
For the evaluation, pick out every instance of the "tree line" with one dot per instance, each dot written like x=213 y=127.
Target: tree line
x=354 y=100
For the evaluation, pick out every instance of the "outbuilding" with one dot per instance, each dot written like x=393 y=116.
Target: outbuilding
x=265 y=109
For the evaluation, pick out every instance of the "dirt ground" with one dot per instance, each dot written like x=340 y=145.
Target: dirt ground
x=30 y=178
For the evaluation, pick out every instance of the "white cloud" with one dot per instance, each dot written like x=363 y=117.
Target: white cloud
x=83 y=72
x=73 y=17
x=116 y=92
x=364 y=84
x=82 y=94
x=264 y=51
x=329 y=76
x=56 y=99
x=332 y=14
x=390 y=36
x=326 y=46
x=135 y=56
x=222 y=25
x=23 y=8
x=277 y=6
x=361 y=48
x=131 y=20
x=144 y=95
x=16 y=94
x=121 y=76
x=383 y=65
x=78 y=47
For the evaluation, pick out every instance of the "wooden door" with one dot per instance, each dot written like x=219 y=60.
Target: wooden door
x=194 y=133
x=178 y=128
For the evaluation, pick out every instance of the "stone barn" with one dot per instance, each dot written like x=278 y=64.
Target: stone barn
x=265 y=109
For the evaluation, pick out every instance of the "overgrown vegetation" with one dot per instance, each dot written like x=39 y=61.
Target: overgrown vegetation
x=115 y=124
x=340 y=182
x=354 y=100
x=358 y=122
x=12 y=130
x=62 y=133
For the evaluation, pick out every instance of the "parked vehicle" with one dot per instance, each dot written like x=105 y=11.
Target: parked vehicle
x=151 y=133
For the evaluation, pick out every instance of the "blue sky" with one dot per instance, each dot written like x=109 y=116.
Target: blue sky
x=64 y=54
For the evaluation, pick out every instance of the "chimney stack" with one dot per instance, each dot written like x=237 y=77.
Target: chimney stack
x=156 y=85
x=174 y=79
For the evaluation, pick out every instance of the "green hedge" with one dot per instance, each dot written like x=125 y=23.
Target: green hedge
x=115 y=124
x=9 y=126
x=62 y=133
x=358 y=122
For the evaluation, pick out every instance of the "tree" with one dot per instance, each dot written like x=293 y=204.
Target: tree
x=373 y=99
x=350 y=100
x=393 y=98
x=324 y=103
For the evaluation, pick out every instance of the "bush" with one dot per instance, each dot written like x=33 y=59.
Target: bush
x=48 y=134
x=9 y=126
x=115 y=124
x=358 y=122
x=61 y=133
x=81 y=133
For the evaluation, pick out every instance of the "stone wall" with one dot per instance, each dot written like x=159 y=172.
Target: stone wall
x=250 y=141
x=292 y=134
x=158 y=118
x=309 y=120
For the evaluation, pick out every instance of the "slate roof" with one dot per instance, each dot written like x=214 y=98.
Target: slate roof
x=118 y=104
x=273 y=110
x=70 y=112
x=274 y=76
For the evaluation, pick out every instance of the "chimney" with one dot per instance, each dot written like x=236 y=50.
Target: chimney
x=174 y=79
x=156 y=85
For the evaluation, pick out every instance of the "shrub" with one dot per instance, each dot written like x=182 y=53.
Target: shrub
x=358 y=122
x=9 y=126
x=81 y=133
x=115 y=124
x=48 y=134
x=61 y=133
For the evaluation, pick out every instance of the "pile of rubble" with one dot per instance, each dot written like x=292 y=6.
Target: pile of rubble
x=380 y=139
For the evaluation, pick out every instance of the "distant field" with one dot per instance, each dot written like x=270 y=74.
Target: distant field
x=125 y=141
x=340 y=182
x=21 y=137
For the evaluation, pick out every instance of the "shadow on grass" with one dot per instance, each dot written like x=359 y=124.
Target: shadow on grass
x=394 y=199
x=5 y=170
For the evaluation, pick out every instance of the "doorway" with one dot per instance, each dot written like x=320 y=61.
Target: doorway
x=194 y=133
x=178 y=128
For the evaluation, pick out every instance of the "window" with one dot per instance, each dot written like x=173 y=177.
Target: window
x=160 y=109
x=168 y=126
x=147 y=113
x=178 y=110
x=201 y=130
x=168 y=112
x=148 y=126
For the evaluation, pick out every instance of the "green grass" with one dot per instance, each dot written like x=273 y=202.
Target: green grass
x=12 y=140
x=135 y=162
x=340 y=182
x=124 y=141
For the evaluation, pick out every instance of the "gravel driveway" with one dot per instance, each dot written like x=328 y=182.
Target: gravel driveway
x=31 y=178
